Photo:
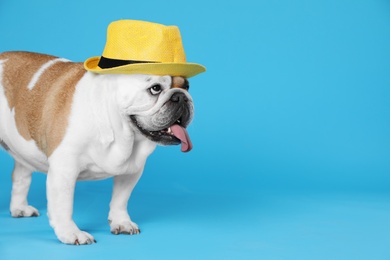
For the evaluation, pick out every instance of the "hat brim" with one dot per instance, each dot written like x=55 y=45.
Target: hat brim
x=173 y=69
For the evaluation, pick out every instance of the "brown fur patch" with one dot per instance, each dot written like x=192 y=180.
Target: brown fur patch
x=180 y=82
x=42 y=113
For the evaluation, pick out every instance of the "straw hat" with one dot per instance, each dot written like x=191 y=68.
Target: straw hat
x=138 y=47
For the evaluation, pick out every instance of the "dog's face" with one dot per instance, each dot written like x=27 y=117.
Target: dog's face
x=158 y=107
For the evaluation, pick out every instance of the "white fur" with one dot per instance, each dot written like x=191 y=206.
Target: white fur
x=99 y=143
x=21 y=183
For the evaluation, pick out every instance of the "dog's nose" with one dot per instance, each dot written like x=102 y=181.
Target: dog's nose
x=179 y=97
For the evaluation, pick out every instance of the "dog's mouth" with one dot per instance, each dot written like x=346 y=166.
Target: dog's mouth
x=175 y=134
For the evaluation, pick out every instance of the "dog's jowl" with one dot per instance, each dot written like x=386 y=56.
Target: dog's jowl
x=94 y=120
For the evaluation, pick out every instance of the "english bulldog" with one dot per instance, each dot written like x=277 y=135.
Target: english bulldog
x=60 y=119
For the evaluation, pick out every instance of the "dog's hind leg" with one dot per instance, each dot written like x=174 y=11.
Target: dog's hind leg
x=21 y=180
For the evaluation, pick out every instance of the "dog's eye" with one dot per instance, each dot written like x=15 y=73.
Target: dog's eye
x=155 y=89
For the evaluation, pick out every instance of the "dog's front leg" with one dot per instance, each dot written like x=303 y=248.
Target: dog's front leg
x=61 y=181
x=119 y=219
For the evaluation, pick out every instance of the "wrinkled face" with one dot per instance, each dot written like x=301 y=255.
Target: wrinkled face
x=159 y=107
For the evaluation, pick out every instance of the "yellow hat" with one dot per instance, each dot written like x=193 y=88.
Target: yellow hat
x=138 y=47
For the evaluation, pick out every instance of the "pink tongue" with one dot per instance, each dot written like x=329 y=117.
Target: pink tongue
x=182 y=135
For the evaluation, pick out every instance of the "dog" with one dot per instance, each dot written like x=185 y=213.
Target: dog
x=58 y=118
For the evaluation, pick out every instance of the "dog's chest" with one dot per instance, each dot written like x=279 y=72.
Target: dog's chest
x=117 y=159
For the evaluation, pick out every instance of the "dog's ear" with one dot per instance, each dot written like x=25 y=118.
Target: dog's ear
x=180 y=82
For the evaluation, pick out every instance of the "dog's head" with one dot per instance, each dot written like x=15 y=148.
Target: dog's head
x=157 y=107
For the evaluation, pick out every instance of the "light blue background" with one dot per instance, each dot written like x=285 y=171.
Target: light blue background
x=291 y=134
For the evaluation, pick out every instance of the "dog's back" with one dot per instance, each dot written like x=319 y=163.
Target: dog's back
x=39 y=90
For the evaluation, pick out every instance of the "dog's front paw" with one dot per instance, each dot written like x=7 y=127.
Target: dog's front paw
x=75 y=237
x=24 y=211
x=124 y=227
